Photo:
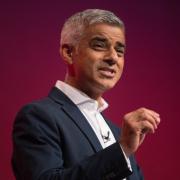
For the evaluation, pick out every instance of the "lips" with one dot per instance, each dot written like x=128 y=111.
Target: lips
x=107 y=72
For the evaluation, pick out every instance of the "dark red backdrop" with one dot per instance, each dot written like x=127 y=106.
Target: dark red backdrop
x=30 y=65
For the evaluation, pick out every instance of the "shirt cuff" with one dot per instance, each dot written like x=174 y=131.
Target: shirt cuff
x=127 y=159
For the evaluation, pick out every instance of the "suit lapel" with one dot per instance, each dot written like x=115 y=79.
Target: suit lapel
x=115 y=130
x=76 y=116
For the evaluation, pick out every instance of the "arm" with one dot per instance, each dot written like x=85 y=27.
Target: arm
x=38 y=152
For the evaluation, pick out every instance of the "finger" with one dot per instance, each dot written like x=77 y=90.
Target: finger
x=155 y=115
x=147 y=127
x=148 y=117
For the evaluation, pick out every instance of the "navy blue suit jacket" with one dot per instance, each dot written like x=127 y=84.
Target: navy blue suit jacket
x=52 y=140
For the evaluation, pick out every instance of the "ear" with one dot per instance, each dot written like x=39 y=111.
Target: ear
x=66 y=53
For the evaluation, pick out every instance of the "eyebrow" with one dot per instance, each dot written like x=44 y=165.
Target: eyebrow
x=98 y=38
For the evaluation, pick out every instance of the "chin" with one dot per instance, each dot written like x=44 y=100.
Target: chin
x=107 y=86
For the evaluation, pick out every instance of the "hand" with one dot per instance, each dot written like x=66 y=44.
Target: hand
x=135 y=126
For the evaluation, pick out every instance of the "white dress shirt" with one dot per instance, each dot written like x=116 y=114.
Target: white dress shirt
x=92 y=111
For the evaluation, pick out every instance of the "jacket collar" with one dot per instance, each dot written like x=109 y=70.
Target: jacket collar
x=78 y=97
x=76 y=116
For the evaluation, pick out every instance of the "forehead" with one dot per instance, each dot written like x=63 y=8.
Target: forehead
x=109 y=32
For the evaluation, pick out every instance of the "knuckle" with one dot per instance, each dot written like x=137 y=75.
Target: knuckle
x=126 y=117
x=142 y=109
x=144 y=115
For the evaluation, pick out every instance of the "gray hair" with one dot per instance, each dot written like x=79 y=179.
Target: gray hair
x=75 y=25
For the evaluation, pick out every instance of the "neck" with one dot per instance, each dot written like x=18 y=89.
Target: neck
x=89 y=90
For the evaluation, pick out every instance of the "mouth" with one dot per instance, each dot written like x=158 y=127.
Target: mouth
x=107 y=72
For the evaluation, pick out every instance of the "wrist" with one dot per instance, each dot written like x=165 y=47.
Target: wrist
x=125 y=149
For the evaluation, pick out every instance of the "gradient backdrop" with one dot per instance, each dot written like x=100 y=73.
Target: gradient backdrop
x=30 y=65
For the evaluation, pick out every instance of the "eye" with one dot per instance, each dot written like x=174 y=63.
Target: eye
x=98 y=45
x=120 y=51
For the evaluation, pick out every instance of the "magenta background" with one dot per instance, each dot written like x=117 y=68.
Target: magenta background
x=30 y=65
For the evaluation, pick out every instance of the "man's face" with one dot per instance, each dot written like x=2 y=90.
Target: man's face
x=98 y=59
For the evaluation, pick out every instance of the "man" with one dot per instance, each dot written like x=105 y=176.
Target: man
x=64 y=136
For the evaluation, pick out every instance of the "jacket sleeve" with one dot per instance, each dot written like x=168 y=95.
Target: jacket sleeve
x=38 y=153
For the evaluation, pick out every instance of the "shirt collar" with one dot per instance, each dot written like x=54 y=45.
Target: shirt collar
x=78 y=97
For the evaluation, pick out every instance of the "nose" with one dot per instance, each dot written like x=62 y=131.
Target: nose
x=111 y=57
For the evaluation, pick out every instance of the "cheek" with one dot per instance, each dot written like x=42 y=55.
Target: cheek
x=121 y=65
x=90 y=62
x=85 y=67
x=120 y=69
